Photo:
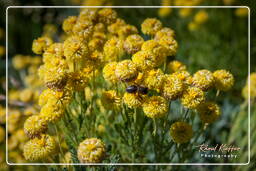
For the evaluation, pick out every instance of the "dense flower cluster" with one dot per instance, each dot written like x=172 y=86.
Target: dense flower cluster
x=104 y=66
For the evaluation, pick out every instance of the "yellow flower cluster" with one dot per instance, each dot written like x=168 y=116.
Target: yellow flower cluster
x=209 y=112
x=39 y=148
x=252 y=91
x=91 y=150
x=181 y=132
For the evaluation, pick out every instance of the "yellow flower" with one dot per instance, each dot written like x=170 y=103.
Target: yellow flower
x=192 y=26
x=26 y=95
x=34 y=126
x=176 y=66
x=185 y=12
x=184 y=76
x=157 y=49
x=155 y=107
x=48 y=94
x=192 y=97
x=133 y=43
x=2 y=51
x=91 y=150
x=224 y=80
x=69 y=23
x=172 y=87
x=83 y=29
x=150 y=26
x=2 y=134
x=96 y=43
x=75 y=49
x=52 y=111
x=40 y=148
x=107 y=16
x=154 y=79
x=201 y=17
x=110 y=99
x=170 y=44
x=113 y=28
x=126 y=30
x=164 y=32
x=145 y=60
x=99 y=27
x=209 y=112
x=19 y=62
x=20 y=135
x=54 y=78
x=101 y=129
x=53 y=55
x=133 y=100
x=31 y=110
x=78 y=80
x=109 y=72
x=252 y=80
x=2 y=114
x=164 y=12
x=13 y=116
x=113 y=49
x=87 y=14
x=181 y=132
x=203 y=79
x=41 y=44
x=126 y=70
x=241 y=12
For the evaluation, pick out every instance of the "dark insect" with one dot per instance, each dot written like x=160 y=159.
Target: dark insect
x=137 y=89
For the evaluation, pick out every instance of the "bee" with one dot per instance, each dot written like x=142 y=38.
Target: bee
x=137 y=89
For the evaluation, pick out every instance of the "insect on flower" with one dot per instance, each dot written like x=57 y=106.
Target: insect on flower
x=137 y=89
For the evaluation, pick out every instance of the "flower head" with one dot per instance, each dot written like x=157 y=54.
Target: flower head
x=176 y=66
x=126 y=70
x=164 y=32
x=88 y=14
x=109 y=72
x=145 y=60
x=172 y=87
x=110 y=99
x=252 y=81
x=91 y=150
x=203 y=79
x=133 y=100
x=35 y=125
x=52 y=111
x=83 y=29
x=107 y=16
x=69 y=23
x=170 y=44
x=192 y=97
x=150 y=26
x=126 y=30
x=133 y=43
x=113 y=49
x=154 y=79
x=75 y=49
x=201 y=17
x=113 y=28
x=181 y=132
x=155 y=107
x=41 y=44
x=155 y=48
x=209 y=112
x=224 y=80
x=40 y=148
